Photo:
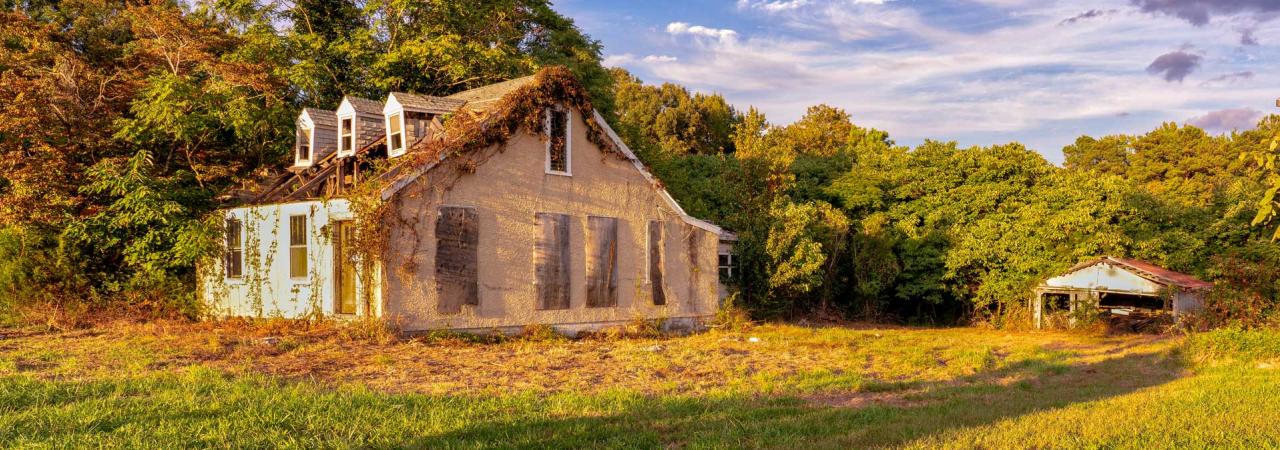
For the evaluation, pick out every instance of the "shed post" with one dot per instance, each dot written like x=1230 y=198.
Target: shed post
x=1037 y=308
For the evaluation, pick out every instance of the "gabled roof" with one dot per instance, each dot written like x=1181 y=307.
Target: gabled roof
x=365 y=106
x=1149 y=271
x=492 y=92
x=296 y=186
x=322 y=118
x=427 y=103
x=401 y=176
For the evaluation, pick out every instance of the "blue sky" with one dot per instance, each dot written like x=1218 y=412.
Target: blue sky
x=981 y=72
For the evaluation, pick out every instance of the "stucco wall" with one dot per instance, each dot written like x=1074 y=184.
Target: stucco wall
x=265 y=288
x=507 y=191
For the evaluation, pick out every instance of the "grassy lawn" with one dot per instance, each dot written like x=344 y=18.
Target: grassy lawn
x=223 y=385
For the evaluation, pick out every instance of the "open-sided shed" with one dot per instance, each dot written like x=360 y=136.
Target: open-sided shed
x=1120 y=286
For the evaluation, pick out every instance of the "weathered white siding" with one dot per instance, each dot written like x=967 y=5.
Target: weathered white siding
x=265 y=288
x=1105 y=277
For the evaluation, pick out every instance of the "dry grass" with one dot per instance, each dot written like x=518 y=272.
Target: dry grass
x=761 y=360
x=328 y=384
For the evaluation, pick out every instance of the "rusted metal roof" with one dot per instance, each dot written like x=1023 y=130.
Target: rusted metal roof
x=1150 y=271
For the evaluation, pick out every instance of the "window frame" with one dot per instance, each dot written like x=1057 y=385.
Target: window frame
x=568 y=141
x=235 y=223
x=305 y=246
x=396 y=117
x=310 y=133
x=346 y=129
x=728 y=267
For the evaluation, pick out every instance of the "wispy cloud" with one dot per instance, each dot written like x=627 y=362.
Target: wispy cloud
x=1016 y=70
x=1175 y=65
x=1226 y=120
x=1090 y=14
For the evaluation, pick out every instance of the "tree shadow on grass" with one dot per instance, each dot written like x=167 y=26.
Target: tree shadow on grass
x=920 y=410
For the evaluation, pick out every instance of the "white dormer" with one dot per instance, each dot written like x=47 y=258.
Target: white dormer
x=316 y=133
x=305 y=136
x=360 y=123
x=408 y=118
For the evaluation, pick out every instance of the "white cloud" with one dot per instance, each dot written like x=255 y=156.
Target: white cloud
x=1022 y=79
x=722 y=34
x=659 y=59
x=628 y=58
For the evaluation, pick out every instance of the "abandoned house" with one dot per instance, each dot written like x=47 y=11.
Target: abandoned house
x=490 y=209
x=1118 y=287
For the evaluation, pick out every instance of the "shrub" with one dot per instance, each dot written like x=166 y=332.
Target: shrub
x=1233 y=345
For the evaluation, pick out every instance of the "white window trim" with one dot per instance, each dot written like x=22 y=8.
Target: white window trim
x=238 y=279
x=306 y=244
x=354 y=129
x=729 y=264
x=568 y=142
x=311 y=147
x=404 y=144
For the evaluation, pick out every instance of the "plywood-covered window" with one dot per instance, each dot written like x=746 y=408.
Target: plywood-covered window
x=297 y=246
x=235 y=249
x=346 y=134
x=551 y=261
x=395 y=134
x=558 y=151
x=602 y=262
x=655 y=263
x=457 y=257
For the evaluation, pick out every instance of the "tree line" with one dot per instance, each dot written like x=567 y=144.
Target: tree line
x=130 y=121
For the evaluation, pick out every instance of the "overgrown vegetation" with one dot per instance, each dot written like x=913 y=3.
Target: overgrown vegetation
x=838 y=220
x=128 y=121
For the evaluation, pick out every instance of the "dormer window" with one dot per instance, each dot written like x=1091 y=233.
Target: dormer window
x=304 y=144
x=558 y=143
x=316 y=137
x=410 y=118
x=346 y=135
x=395 y=134
x=360 y=123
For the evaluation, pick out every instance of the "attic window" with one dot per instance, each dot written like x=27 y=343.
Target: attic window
x=235 y=249
x=395 y=134
x=304 y=144
x=558 y=150
x=345 y=135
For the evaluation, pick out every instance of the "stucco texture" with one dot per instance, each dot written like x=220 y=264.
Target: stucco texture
x=507 y=189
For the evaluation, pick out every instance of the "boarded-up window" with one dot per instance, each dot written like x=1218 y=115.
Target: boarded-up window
x=297 y=246
x=558 y=143
x=457 y=254
x=602 y=261
x=235 y=249
x=551 y=261
x=655 y=263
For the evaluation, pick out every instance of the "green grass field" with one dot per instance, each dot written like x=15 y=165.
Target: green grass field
x=169 y=386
